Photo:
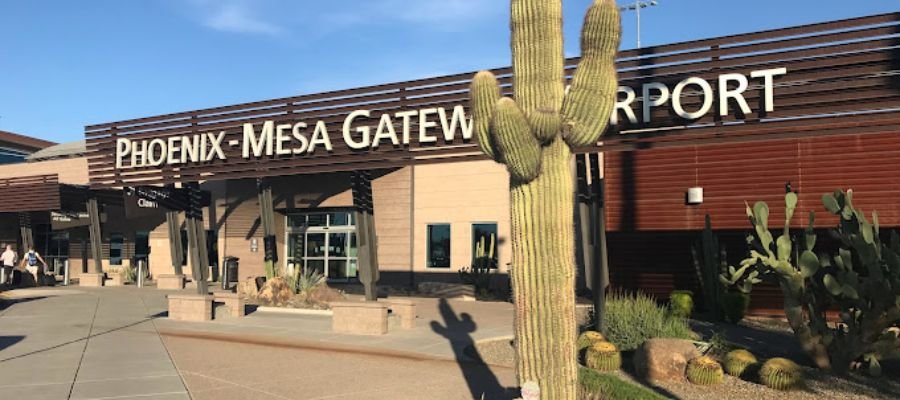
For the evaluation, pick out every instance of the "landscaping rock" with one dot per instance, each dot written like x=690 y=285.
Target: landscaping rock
x=664 y=359
x=275 y=292
x=247 y=289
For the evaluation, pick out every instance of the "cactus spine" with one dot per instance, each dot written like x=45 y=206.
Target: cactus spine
x=737 y=362
x=533 y=134
x=704 y=370
x=781 y=374
x=603 y=356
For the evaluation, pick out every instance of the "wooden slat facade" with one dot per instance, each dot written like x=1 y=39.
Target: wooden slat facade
x=835 y=70
x=30 y=193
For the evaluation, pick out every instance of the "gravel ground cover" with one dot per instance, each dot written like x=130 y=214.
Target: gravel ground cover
x=764 y=337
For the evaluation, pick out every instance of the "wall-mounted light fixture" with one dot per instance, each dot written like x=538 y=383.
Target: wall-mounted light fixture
x=695 y=195
x=254 y=245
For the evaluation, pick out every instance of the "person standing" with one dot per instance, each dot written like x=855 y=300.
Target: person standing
x=7 y=264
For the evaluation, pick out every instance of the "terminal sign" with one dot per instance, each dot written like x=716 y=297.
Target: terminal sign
x=363 y=130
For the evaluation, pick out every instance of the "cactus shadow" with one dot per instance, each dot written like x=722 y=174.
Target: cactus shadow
x=457 y=329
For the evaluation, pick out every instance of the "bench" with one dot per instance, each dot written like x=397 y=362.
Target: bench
x=234 y=303
x=359 y=317
x=190 y=307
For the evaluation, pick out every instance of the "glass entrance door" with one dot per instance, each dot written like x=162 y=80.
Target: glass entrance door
x=324 y=242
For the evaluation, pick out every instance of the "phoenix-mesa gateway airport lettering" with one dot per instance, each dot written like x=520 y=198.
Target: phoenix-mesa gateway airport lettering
x=361 y=132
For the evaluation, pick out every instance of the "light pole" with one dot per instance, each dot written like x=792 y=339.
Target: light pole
x=636 y=7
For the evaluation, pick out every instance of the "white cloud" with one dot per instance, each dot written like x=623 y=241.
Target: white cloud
x=234 y=16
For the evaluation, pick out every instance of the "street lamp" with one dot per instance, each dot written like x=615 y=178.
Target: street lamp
x=636 y=7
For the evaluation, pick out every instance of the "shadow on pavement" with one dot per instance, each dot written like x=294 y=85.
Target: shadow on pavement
x=7 y=341
x=6 y=303
x=458 y=329
x=30 y=353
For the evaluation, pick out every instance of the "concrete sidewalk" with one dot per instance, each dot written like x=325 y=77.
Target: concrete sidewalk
x=80 y=343
x=62 y=343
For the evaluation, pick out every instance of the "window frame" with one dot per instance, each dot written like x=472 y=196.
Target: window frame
x=496 y=241
x=428 y=245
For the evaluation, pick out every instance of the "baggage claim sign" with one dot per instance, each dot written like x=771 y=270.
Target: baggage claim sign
x=362 y=130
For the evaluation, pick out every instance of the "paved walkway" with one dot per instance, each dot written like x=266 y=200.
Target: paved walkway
x=110 y=343
x=81 y=344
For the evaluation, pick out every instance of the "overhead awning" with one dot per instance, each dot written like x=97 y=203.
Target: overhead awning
x=30 y=193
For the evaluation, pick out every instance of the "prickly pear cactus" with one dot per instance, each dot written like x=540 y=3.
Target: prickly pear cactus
x=862 y=279
x=534 y=134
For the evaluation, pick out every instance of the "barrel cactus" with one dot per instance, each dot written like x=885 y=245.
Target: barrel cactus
x=603 y=356
x=588 y=338
x=738 y=362
x=704 y=370
x=534 y=134
x=681 y=303
x=781 y=374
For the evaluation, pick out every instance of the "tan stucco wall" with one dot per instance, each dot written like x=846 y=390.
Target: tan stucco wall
x=461 y=194
x=70 y=170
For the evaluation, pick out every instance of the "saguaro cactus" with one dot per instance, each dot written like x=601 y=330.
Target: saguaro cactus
x=533 y=134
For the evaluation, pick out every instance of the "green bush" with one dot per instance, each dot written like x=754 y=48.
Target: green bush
x=681 y=303
x=632 y=318
x=596 y=385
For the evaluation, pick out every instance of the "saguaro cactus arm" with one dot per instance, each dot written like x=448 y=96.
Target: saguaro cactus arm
x=591 y=97
x=538 y=63
x=485 y=92
x=516 y=146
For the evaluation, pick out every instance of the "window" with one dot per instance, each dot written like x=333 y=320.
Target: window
x=438 y=246
x=116 y=242
x=485 y=235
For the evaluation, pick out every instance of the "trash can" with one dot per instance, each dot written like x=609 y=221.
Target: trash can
x=230 y=271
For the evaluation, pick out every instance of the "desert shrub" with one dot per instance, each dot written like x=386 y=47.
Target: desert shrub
x=596 y=385
x=308 y=280
x=631 y=318
x=719 y=345
x=681 y=303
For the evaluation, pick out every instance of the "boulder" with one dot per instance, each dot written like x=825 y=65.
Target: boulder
x=276 y=292
x=664 y=359
x=247 y=289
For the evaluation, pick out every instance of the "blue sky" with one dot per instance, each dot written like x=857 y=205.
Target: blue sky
x=65 y=64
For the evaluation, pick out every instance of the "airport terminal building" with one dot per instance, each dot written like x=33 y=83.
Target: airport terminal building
x=726 y=120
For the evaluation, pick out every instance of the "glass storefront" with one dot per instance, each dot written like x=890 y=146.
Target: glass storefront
x=324 y=242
